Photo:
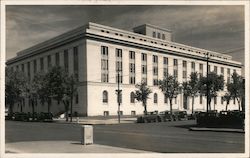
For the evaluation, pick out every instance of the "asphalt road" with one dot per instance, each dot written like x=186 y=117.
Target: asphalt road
x=173 y=137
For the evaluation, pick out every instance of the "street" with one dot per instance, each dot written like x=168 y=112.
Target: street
x=169 y=137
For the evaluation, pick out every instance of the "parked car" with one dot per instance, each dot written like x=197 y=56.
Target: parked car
x=45 y=117
x=149 y=117
x=165 y=116
x=194 y=115
x=20 y=116
x=180 y=115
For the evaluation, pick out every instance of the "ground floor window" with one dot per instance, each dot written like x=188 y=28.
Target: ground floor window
x=133 y=113
x=106 y=113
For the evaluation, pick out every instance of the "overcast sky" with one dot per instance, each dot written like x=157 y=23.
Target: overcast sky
x=217 y=28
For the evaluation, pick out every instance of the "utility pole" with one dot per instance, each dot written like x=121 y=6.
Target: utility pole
x=119 y=95
x=207 y=81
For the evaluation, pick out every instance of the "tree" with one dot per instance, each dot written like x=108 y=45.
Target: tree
x=170 y=88
x=227 y=97
x=13 y=88
x=142 y=94
x=70 y=89
x=190 y=88
x=236 y=88
x=210 y=85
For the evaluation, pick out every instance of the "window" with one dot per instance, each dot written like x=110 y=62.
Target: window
x=234 y=101
x=201 y=70
x=132 y=67
x=165 y=99
x=175 y=100
x=76 y=65
x=144 y=67
x=209 y=68
x=41 y=64
x=57 y=59
x=155 y=98
x=104 y=64
x=215 y=100
x=49 y=61
x=131 y=55
x=159 y=35
x=17 y=68
x=76 y=98
x=221 y=100
x=22 y=67
x=184 y=70
x=155 y=59
x=165 y=66
x=119 y=66
x=163 y=36
x=35 y=66
x=28 y=69
x=175 y=68
x=193 y=67
x=133 y=113
x=222 y=71
x=66 y=60
x=155 y=71
x=228 y=75
x=154 y=34
x=132 y=97
x=200 y=99
x=105 y=97
x=215 y=69
x=106 y=113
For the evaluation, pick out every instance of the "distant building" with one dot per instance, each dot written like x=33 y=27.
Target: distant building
x=94 y=53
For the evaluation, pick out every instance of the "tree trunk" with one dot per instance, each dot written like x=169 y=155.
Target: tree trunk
x=209 y=104
x=11 y=109
x=66 y=106
x=71 y=108
x=33 y=110
x=226 y=106
x=238 y=100
x=192 y=105
x=145 y=108
x=171 y=110
x=49 y=103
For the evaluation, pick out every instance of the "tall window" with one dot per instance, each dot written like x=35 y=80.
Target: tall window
x=155 y=70
x=76 y=98
x=66 y=60
x=165 y=99
x=165 y=66
x=57 y=59
x=215 y=69
x=221 y=100
x=76 y=63
x=228 y=75
x=201 y=70
x=200 y=99
x=104 y=96
x=222 y=71
x=41 y=64
x=22 y=67
x=49 y=61
x=28 y=70
x=158 y=35
x=35 y=66
x=215 y=100
x=155 y=98
x=132 y=97
x=154 y=34
x=163 y=36
x=144 y=67
x=131 y=67
x=119 y=65
x=209 y=68
x=184 y=70
x=104 y=64
x=176 y=68
x=193 y=67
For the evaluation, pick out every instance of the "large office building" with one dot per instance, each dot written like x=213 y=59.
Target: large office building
x=94 y=53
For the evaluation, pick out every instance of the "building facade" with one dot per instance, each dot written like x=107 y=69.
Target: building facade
x=95 y=54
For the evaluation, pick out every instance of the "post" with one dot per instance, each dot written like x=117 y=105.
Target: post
x=207 y=83
x=118 y=96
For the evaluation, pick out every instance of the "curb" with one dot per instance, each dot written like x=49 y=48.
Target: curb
x=217 y=130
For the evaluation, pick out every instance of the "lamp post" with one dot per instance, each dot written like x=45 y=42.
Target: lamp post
x=207 y=79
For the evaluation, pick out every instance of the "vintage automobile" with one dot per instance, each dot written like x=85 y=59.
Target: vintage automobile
x=180 y=115
x=149 y=117
x=165 y=116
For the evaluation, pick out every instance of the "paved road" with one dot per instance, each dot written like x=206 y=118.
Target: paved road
x=156 y=137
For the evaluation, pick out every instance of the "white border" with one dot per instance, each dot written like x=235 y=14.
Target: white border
x=117 y=2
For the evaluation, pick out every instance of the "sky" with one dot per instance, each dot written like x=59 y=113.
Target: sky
x=216 y=28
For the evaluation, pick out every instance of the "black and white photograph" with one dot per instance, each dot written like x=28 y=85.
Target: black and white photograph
x=145 y=78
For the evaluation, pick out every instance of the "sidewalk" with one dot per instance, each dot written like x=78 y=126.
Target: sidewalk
x=64 y=147
x=97 y=120
x=217 y=129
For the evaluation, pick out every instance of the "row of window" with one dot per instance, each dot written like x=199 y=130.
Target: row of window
x=132 y=98
x=144 y=65
x=49 y=63
x=159 y=35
